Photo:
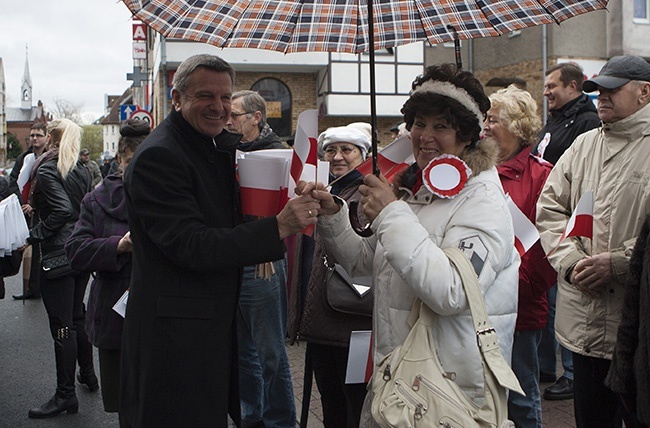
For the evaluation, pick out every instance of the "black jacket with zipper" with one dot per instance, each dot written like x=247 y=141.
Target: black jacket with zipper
x=565 y=124
x=57 y=202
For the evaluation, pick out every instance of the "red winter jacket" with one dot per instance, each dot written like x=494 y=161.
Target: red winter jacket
x=523 y=178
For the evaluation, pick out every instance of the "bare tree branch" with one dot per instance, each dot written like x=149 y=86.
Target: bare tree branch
x=64 y=109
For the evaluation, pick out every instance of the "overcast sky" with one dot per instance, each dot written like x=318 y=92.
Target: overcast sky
x=79 y=50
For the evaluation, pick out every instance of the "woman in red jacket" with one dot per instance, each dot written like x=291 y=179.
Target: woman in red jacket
x=513 y=122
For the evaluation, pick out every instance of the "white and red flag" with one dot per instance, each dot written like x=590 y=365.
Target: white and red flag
x=392 y=159
x=360 y=365
x=305 y=151
x=263 y=183
x=23 y=182
x=581 y=222
x=526 y=233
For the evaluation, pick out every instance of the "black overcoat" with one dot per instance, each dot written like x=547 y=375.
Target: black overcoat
x=629 y=373
x=179 y=341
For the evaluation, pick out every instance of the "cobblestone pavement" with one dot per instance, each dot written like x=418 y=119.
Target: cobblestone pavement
x=556 y=414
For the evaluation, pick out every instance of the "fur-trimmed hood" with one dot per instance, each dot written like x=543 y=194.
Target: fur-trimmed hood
x=478 y=159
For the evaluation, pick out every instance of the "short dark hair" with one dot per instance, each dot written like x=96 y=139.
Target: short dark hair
x=41 y=126
x=465 y=122
x=212 y=62
x=569 y=71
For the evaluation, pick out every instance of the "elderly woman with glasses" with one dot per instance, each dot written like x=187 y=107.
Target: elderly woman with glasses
x=513 y=123
x=326 y=330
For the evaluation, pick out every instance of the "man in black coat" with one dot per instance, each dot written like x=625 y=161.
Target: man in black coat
x=179 y=361
x=571 y=113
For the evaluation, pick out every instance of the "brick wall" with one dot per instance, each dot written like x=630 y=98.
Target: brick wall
x=529 y=71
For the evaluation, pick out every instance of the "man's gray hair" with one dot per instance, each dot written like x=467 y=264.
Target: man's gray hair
x=182 y=76
x=252 y=101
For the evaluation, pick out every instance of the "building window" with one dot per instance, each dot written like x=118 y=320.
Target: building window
x=278 y=104
x=641 y=10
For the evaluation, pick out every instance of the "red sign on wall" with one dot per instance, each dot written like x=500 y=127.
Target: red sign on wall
x=140 y=32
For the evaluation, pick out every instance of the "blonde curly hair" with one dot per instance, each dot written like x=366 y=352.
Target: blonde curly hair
x=518 y=113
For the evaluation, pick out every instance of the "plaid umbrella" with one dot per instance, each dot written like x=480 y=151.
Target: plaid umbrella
x=343 y=25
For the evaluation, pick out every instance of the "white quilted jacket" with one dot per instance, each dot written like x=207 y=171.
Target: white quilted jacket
x=407 y=261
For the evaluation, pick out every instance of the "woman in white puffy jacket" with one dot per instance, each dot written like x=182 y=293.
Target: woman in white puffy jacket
x=425 y=214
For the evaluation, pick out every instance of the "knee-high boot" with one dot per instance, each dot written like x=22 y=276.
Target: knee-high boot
x=65 y=399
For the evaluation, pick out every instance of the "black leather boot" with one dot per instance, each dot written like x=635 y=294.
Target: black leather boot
x=91 y=382
x=86 y=374
x=55 y=406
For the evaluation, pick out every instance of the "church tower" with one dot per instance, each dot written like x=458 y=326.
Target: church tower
x=26 y=87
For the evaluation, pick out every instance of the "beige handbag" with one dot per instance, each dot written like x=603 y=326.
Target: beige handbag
x=410 y=387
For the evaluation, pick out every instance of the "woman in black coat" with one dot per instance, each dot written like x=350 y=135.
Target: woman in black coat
x=101 y=243
x=629 y=373
x=59 y=182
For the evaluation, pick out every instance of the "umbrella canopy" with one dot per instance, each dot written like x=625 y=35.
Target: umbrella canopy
x=342 y=25
x=345 y=25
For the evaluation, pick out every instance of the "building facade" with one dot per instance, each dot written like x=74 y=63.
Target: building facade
x=335 y=84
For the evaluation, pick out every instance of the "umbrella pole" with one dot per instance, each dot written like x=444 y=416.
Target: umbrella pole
x=373 y=90
x=364 y=229
x=459 y=61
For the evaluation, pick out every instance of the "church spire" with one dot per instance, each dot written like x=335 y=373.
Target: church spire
x=26 y=87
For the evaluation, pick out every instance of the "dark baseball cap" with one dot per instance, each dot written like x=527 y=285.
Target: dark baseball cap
x=84 y=151
x=618 y=71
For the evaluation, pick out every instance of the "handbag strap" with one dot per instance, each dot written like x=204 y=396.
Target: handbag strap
x=486 y=336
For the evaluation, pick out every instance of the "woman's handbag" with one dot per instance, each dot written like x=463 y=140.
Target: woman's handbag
x=10 y=264
x=346 y=294
x=410 y=387
x=56 y=265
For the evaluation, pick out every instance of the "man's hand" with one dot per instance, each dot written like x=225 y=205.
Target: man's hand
x=377 y=193
x=592 y=274
x=299 y=213
x=125 y=245
x=318 y=192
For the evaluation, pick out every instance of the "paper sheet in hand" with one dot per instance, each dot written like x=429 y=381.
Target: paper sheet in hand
x=360 y=365
x=120 y=305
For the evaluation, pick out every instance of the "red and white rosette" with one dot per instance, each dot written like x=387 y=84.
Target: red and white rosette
x=446 y=175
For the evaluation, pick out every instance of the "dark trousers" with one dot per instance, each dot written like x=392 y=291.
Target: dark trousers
x=595 y=405
x=63 y=300
x=341 y=403
x=109 y=371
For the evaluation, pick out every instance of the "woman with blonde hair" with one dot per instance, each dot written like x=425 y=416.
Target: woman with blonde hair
x=59 y=183
x=513 y=122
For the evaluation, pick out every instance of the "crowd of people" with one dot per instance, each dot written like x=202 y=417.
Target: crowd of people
x=210 y=301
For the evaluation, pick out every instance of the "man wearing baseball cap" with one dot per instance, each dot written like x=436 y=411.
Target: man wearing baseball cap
x=613 y=161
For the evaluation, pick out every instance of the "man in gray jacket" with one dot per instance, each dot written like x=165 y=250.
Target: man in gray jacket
x=613 y=161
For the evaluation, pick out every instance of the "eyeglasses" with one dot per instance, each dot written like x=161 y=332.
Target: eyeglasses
x=345 y=150
x=234 y=115
x=36 y=136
